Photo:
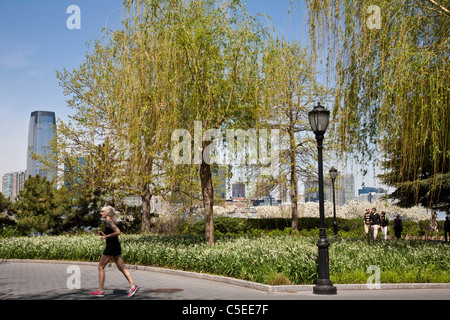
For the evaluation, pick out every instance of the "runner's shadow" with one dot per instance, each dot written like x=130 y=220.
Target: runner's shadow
x=144 y=294
x=165 y=290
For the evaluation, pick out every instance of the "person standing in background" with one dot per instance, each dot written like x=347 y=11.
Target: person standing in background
x=398 y=226
x=446 y=227
x=384 y=225
x=374 y=222
x=367 y=223
x=433 y=223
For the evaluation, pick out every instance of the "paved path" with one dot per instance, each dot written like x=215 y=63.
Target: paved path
x=53 y=281
x=33 y=288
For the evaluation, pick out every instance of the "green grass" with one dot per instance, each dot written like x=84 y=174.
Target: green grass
x=257 y=258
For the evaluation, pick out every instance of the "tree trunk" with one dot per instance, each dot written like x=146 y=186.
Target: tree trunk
x=147 y=195
x=146 y=209
x=294 y=184
x=208 y=201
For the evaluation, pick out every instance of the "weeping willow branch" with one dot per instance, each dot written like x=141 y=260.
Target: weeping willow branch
x=391 y=82
x=442 y=9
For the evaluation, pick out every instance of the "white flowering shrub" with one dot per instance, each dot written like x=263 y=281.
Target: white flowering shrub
x=168 y=220
x=356 y=209
x=351 y=210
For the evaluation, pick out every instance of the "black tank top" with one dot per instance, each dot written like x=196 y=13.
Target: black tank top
x=111 y=240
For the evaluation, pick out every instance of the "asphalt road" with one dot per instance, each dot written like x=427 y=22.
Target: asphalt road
x=180 y=293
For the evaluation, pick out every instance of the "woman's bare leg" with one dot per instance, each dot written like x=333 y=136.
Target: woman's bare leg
x=101 y=270
x=121 y=266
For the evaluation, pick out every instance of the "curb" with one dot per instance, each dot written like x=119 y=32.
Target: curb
x=244 y=283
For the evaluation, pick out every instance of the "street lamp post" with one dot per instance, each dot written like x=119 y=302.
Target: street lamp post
x=318 y=119
x=333 y=175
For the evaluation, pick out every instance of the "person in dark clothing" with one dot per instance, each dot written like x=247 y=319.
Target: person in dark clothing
x=384 y=225
x=446 y=227
x=374 y=222
x=367 y=223
x=112 y=251
x=398 y=227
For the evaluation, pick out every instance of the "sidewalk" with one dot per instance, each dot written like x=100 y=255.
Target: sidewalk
x=54 y=280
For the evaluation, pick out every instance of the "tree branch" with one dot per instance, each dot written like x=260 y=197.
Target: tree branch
x=442 y=9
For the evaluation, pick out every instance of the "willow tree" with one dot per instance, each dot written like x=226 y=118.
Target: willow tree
x=206 y=77
x=291 y=89
x=172 y=64
x=220 y=80
x=147 y=96
x=87 y=150
x=389 y=62
x=124 y=93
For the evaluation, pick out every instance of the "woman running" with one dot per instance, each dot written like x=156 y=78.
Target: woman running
x=113 y=250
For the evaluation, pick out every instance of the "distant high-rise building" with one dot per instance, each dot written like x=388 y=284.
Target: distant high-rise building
x=12 y=184
x=348 y=188
x=40 y=133
x=238 y=190
x=344 y=188
x=284 y=191
x=365 y=190
x=370 y=194
x=312 y=191
x=219 y=177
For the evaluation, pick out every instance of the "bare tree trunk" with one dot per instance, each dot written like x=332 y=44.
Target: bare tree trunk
x=147 y=195
x=294 y=183
x=146 y=209
x=208 y=201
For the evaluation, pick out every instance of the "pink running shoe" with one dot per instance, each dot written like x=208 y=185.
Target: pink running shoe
x=133 y=291
x=99 y=294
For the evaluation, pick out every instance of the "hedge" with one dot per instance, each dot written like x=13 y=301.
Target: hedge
x=229 y=225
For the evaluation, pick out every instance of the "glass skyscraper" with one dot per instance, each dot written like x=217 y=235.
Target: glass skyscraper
x=40 y=133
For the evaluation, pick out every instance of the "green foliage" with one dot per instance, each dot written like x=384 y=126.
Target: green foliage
x=391 y=97
x=278 y=280
x=431 y=192
x=6 y=210
x=5 y=203
x=171 y=63
x=308 y=227
x=81 y=208
x=399 y=261
x=8 y=232
x=43 y=209
x=36 y=207
x=276 y=259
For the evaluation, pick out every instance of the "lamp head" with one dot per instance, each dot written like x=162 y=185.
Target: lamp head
x=318 y=119
x=333 y=173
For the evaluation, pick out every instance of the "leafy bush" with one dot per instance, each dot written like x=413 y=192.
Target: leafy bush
x=278 y=280
x=8 y=231
x=257 y=259
x=308 y=226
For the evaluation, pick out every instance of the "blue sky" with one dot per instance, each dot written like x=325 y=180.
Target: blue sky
x=35 y=41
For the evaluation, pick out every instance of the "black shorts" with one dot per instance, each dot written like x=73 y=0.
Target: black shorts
x=113 y=250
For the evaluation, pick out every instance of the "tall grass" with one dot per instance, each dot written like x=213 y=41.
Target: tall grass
x=257 y=258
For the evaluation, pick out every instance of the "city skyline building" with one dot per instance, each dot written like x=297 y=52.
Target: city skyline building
x=312 y=191
x=41 y=131
x=12 y=184
x=238 y=190
x=370 y=194
x=348 y=187
x=219 y=177
x=344 y=189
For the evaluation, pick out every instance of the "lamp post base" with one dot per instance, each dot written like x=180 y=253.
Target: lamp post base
x=324 y=286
